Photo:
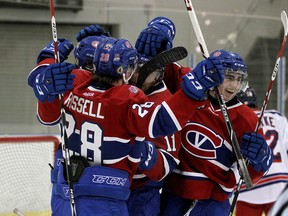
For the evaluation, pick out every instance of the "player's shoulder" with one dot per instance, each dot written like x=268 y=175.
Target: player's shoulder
x=272 y=112
x=245 y=119
x=160 y=94
x=81 y=72
x=275 y=115
x=127 y=93
x=246 y=113
x=173 y=66
x=81 y=76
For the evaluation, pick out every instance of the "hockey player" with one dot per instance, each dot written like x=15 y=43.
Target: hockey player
x=205 y=178
x=145 y=195
x=144 y=199
x=84 y=54
x=107 y=119
x=260 y=199
x=145 y=188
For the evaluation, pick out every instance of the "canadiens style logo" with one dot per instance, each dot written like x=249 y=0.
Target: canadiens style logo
x=201 y=141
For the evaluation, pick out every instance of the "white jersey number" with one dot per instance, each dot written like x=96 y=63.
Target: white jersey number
x=90 y=137
x=141 y=111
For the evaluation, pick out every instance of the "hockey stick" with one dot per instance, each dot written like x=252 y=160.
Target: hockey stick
x=159 y=61
x=63 y=118
x=284 y=20
x=275 y=70
x=267 y=95
x=240 y=160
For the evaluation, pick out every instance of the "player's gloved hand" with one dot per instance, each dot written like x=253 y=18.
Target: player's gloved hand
x=255 y=148
x=207 y=74
x=92 y=30
x=148 y=156
x=64 y=48
x=54 y=80
x=157 y=37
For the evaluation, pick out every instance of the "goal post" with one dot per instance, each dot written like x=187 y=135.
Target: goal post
x=25 y=174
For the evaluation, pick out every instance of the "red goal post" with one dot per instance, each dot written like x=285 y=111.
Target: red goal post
x=25 y=173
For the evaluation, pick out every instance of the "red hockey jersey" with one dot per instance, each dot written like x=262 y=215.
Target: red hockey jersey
x=207 y=166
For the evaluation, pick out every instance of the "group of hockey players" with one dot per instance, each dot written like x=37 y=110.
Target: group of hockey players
x=161 y=148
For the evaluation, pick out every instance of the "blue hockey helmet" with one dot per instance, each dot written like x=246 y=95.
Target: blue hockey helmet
x=85 y=49
x=232 y=62
x=114 y=57
x=248 y=97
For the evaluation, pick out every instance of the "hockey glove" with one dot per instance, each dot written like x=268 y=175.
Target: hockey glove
x=157 y=37
x=64 y=48
x=148 y=156
x=207 y=74
x=92 y=30
x=256 y=150
x=54 y=80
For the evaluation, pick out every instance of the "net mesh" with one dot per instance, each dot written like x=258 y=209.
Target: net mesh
x=25 y=174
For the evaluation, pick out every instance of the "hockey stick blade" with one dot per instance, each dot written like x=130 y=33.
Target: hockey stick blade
x=284 y=22
x=159 y=61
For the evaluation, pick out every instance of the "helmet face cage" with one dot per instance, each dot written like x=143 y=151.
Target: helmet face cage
x=114 y=57
x=84 y=52
x=233 y=63
x=244 y=76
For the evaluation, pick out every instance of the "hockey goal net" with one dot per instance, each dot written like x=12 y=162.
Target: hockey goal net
x=25 y=174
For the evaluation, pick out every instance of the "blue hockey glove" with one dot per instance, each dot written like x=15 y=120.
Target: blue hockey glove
x=207 y=74
x=157 y=37
x=64 y=48
x=256 y=150
x=32 y=75
x=54 y=80
x=148 y=156
x=92 y=30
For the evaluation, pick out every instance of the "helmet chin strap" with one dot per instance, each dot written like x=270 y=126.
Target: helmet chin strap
x=126 y=80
